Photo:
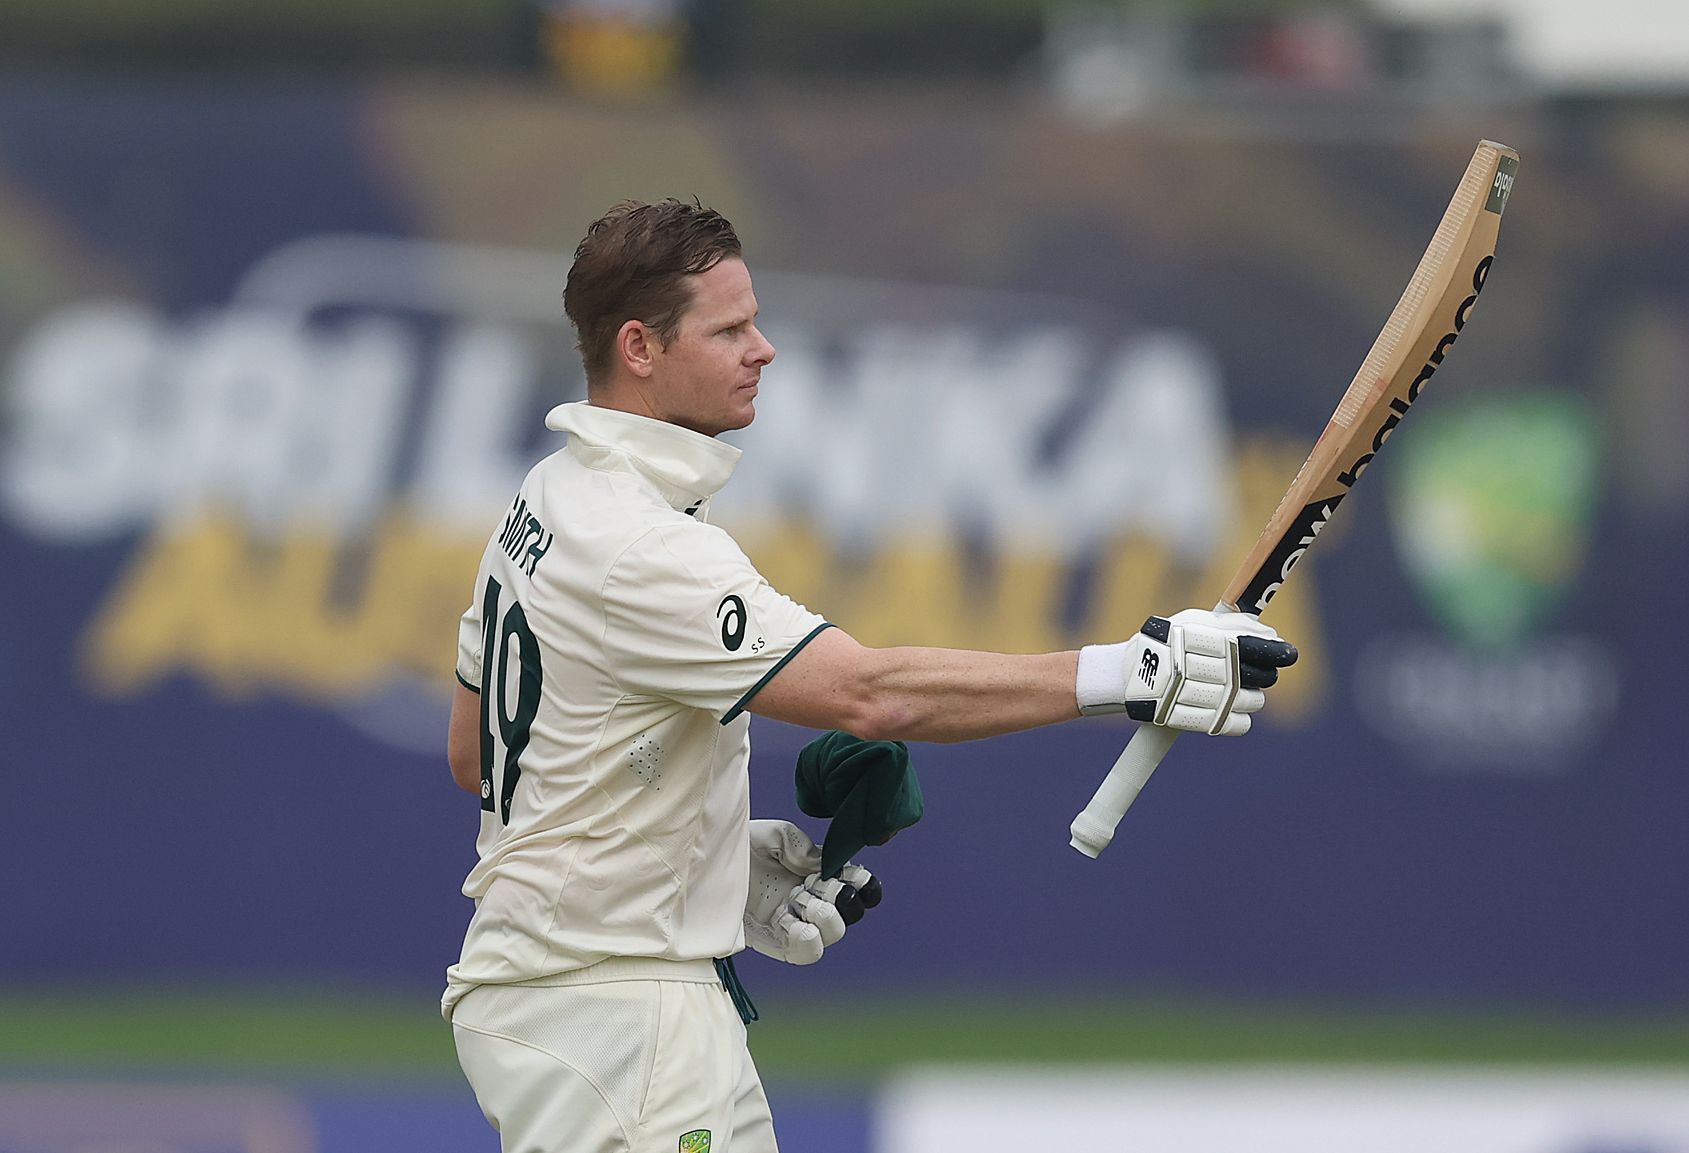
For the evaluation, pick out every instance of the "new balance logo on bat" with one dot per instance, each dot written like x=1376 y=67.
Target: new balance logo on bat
x=1398 y=406
x=1301 y=533
x=1147 y=670
x=1308 y=537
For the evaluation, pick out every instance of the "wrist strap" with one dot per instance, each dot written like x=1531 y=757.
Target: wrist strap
x=1101 y=682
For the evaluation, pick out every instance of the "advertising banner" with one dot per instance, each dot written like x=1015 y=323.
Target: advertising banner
x=1285 y=1111
x=272 y=363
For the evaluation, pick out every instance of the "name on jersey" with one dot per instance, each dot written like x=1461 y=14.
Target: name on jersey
x=524 y=539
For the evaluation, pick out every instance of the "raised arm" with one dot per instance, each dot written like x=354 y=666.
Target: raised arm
x=1195 y=671
x=918 y=694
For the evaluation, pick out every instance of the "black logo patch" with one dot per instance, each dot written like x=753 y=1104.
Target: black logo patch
x=731 y=613
x=1506 y=171
x=1301 y=534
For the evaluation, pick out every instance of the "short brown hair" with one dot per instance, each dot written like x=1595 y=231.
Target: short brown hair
x=632 y=265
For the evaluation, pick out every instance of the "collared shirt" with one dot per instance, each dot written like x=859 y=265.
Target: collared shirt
x=615 y=638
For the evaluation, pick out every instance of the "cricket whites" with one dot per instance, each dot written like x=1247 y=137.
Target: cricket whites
x=1409 y=351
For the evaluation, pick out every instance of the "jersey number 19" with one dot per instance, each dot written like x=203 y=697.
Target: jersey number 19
x=502 y=747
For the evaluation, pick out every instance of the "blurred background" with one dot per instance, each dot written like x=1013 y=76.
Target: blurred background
x=280 y=315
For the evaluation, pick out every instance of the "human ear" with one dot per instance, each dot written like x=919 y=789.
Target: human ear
x=637 y=347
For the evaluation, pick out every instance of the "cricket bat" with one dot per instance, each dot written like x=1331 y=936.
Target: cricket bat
x=1407 y=354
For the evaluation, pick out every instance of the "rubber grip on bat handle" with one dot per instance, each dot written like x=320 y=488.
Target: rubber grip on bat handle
x=1094 y=828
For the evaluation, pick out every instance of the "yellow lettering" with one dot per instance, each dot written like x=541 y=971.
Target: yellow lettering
x=310 y=615
x=299 y=614
x=1135 y=579
x=419 y=583
x=794 y=558
x=908 y=593
x=183 y=594
x=1026 y=611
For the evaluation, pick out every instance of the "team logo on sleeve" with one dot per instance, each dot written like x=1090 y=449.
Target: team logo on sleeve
x=697 y=1141
x=731 y=613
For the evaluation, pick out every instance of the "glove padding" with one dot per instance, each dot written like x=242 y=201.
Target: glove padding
x=791 y=914
x=1198 y=671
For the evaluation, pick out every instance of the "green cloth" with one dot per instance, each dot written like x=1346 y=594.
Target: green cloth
x=868 y=788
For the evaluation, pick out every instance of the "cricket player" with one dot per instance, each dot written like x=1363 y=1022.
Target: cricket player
x=614 y=648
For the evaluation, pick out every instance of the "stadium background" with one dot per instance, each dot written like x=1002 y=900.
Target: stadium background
x=278 y=318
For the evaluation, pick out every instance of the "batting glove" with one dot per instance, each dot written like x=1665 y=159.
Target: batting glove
x=1198 y=671
x=791 y=913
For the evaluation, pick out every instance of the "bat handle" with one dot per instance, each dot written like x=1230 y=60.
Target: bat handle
x=1094 y=828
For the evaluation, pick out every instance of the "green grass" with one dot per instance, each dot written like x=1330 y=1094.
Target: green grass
x=382 y=1037
x=309 y=1033
x=864 y=1044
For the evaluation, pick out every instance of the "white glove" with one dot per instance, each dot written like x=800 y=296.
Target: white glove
x=1199 y=671
x=791 y=914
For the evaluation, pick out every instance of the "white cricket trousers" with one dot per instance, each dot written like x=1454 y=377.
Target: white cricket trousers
x=618 y=1063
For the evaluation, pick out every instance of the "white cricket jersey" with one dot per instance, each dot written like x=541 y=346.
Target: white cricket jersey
x=615 y=639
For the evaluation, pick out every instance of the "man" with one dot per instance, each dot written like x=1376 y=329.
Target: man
x=614 y=645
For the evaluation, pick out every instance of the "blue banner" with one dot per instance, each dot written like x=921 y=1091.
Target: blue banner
x=272 y=362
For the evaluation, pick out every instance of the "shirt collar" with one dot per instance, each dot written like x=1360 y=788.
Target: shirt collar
x=687 y=467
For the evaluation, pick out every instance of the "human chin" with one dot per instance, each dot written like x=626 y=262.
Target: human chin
x=743 y=413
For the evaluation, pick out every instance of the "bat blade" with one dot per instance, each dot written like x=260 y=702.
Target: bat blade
x=1409 y=351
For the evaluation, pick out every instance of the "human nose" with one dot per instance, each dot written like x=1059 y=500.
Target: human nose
x=764 y=351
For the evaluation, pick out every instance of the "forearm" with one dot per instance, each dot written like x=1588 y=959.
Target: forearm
x=463 y=739
x=918 y=694
x=1210 y=680
x=929 y=694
